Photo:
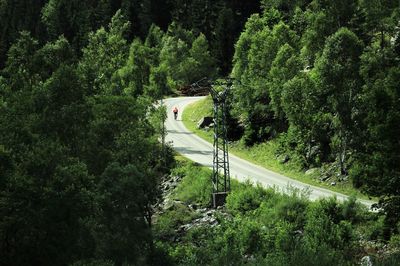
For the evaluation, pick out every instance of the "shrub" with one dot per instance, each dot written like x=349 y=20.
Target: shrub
x=247 y=198
x=195 y=187
x=166 y=224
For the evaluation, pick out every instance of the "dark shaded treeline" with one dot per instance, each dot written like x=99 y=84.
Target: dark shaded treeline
x=79 y=165
x=80 y=160
x=221 y=21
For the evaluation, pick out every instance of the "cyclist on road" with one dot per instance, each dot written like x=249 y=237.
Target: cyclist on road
x=175 y=111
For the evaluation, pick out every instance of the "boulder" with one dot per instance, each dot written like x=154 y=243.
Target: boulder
x=311 y=171
x=366 y=261
x=323 y=178
x=205 y=122
x=283 y=159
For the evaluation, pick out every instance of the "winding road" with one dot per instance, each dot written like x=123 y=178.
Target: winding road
x=196 y=149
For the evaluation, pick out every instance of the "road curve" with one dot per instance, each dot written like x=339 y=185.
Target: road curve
x=200 y=151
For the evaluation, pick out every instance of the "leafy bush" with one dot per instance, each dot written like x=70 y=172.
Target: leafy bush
x=291 y=210
x=247 y=198
x=268 y=227
x=195 y=187
x=169 y=221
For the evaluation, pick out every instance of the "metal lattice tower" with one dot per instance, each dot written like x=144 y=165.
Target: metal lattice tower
x=220 y=176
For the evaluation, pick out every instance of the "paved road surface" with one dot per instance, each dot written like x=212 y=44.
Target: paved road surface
x=199 y=150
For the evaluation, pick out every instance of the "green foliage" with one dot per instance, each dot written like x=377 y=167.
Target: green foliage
x=121 y=212
x=166 y=224
x=252 y=67
x=20 y=61
x=268 y=227
x=247 y=198
x=285 y=66
x=203 y=62
x=79 y=154
x=104 y=55
x=135 y=74
x=375 y=169
x=80 y=157
x=51 y=55
x=16 y=17
x=303 y=71
x=224 y=36
x=71 y=18
x=337 y=75
x=185 y=58
x=307 y=133
x=93 y=263
x=196 y=186
x=79 y=166
x=54 y=198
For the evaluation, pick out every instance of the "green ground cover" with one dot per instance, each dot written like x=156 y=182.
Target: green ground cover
x=261 y=226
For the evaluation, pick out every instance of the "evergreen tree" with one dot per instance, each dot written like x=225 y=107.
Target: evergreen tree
x=17 y=16
x=223 y=39
x=204 y=63
x=69 y=18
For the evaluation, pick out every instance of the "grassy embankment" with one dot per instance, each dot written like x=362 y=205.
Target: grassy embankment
x=262 y=154
x=265 y=227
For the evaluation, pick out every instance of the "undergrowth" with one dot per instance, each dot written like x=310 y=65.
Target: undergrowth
x=269 y=227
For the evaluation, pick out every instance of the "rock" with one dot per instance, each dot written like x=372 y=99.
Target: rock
x=366 y=261
x=210 y=212
x=324 y=178
x=176 y=178
x=167 y=204
x=185 y=228
x=298 y=232
x=205 y=122
x=311 y=171
x=284 y=159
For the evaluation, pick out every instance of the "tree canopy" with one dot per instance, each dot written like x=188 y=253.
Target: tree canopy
x=319 y=76
x=80 y=160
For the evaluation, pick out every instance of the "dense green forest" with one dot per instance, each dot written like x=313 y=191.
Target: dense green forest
x=323 y=77
x=80 y=160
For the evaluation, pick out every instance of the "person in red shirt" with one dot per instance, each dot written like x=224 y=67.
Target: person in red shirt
x=175 y=111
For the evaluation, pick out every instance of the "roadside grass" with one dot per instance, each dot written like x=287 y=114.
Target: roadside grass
x=263 y=154
x=195 y=186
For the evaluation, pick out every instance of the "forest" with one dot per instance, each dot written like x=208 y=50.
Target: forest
x=80 y=157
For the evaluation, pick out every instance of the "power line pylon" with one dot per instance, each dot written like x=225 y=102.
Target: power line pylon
x=220 y=177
